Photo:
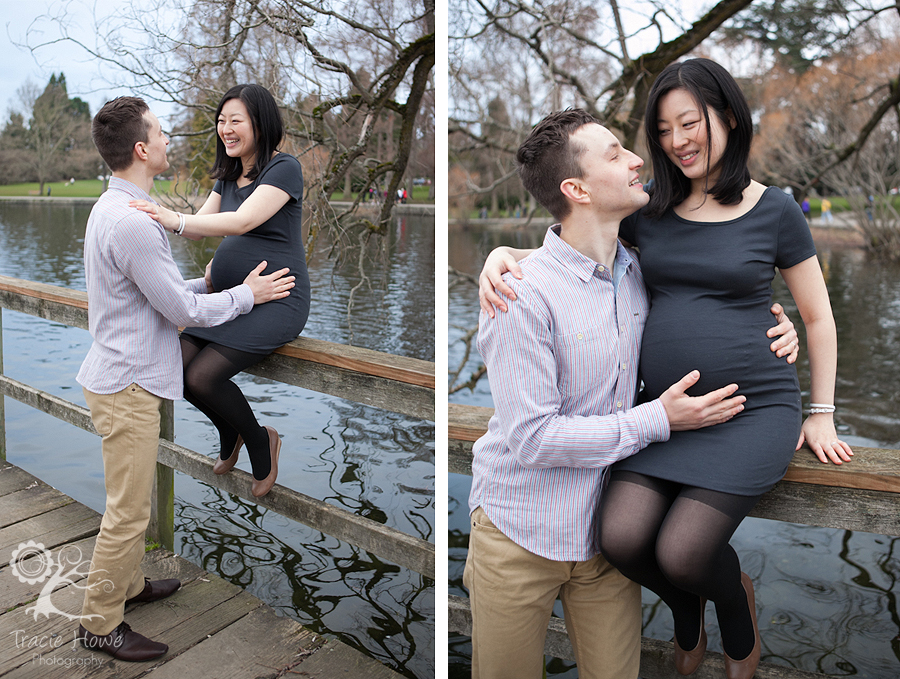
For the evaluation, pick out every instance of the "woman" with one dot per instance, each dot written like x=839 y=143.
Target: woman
x=710 y=240
x=256 y=204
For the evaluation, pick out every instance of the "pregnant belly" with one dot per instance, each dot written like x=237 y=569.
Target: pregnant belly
x=237 y=256
x=722 y=356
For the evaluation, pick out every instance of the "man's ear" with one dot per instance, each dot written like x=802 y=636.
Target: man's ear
x=574 y=190
x=140 y=150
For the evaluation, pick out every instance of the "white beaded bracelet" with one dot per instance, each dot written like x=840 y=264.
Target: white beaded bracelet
x=815 y=408
x=180 y=228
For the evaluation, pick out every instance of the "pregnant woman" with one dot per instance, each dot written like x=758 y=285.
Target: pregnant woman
x=256 y=204
x=710 y=241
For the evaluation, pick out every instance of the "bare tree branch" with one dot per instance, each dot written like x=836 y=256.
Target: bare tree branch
x=351 y=77
x=892 y=101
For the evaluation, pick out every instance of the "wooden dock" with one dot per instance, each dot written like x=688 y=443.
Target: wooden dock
x=213 y=628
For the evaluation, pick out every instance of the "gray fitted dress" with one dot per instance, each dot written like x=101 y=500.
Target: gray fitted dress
x=279 y=242
x=710 y=294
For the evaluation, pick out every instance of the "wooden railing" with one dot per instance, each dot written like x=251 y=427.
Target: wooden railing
x=863 y=495
x=393 y=383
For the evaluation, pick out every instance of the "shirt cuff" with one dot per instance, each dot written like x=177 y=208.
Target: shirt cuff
x=652 y=423
x=197 y=286
x=244 y=295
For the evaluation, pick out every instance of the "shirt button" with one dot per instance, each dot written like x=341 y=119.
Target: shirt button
x=601 y=268
x=619 y=404
x=624 y=365
x=579 y=336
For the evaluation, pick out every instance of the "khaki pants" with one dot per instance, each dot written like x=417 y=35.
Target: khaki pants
x=512 y=592
x=128 y=421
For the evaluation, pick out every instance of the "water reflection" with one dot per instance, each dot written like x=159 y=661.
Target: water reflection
x=388 y=310
x=331 y=588
x=827 y=598
x=380 y=465
x=44 y=253
x=865 y=296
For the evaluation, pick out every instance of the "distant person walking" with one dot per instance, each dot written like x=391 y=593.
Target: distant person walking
x=805 y=207
x=827 y=217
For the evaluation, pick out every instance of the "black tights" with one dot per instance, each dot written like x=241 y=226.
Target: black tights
x=673 y=540
x=208 y=369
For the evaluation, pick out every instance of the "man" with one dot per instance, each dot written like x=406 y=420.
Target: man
x=562 y=364
x=136 y=301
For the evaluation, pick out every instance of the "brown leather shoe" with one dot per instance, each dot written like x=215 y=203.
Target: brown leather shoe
x=260 y=488
x=123 y=644
x=224 y=466
x=746 y=668
x=154 y=590
x=687 y=662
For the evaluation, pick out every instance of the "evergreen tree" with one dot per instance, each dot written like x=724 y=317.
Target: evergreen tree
x=14 y=165
x=56 y=142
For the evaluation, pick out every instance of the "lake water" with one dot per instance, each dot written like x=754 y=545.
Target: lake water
x=827 y=599
x=376 y=464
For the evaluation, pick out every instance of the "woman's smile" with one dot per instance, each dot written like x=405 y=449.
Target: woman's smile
x=235 y=129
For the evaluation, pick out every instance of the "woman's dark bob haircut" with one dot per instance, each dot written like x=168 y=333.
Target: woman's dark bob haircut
x=714 y=90
x=268 y=129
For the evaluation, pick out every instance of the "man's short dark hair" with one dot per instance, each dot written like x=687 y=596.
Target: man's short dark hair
x=548 y=156
x=117 y=127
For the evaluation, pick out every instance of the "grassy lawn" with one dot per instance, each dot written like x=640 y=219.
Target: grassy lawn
x=840 y=204
x=419 y=195
x=92 y=188
x=84 y=188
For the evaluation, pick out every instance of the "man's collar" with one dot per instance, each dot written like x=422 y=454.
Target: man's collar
x=128 y=187
x=581 y=265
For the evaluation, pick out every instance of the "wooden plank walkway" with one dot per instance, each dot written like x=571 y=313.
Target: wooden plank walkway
x=213 y=628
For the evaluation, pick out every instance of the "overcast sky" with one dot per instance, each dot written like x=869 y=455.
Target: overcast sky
x=83 y=76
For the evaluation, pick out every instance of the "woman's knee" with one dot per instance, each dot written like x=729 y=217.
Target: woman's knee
x=622 y=547
x=678 y=568
x=685 y=563
x=198 y=382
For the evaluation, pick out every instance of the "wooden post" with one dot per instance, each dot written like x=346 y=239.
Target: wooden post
x=2 y=398
x=162 y=512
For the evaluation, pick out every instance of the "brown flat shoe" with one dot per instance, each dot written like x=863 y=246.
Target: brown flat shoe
x=687 y=662
x=260 y=488
x=123 y=644
x=154 y=590
x=746 y=668
x=224 y=466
